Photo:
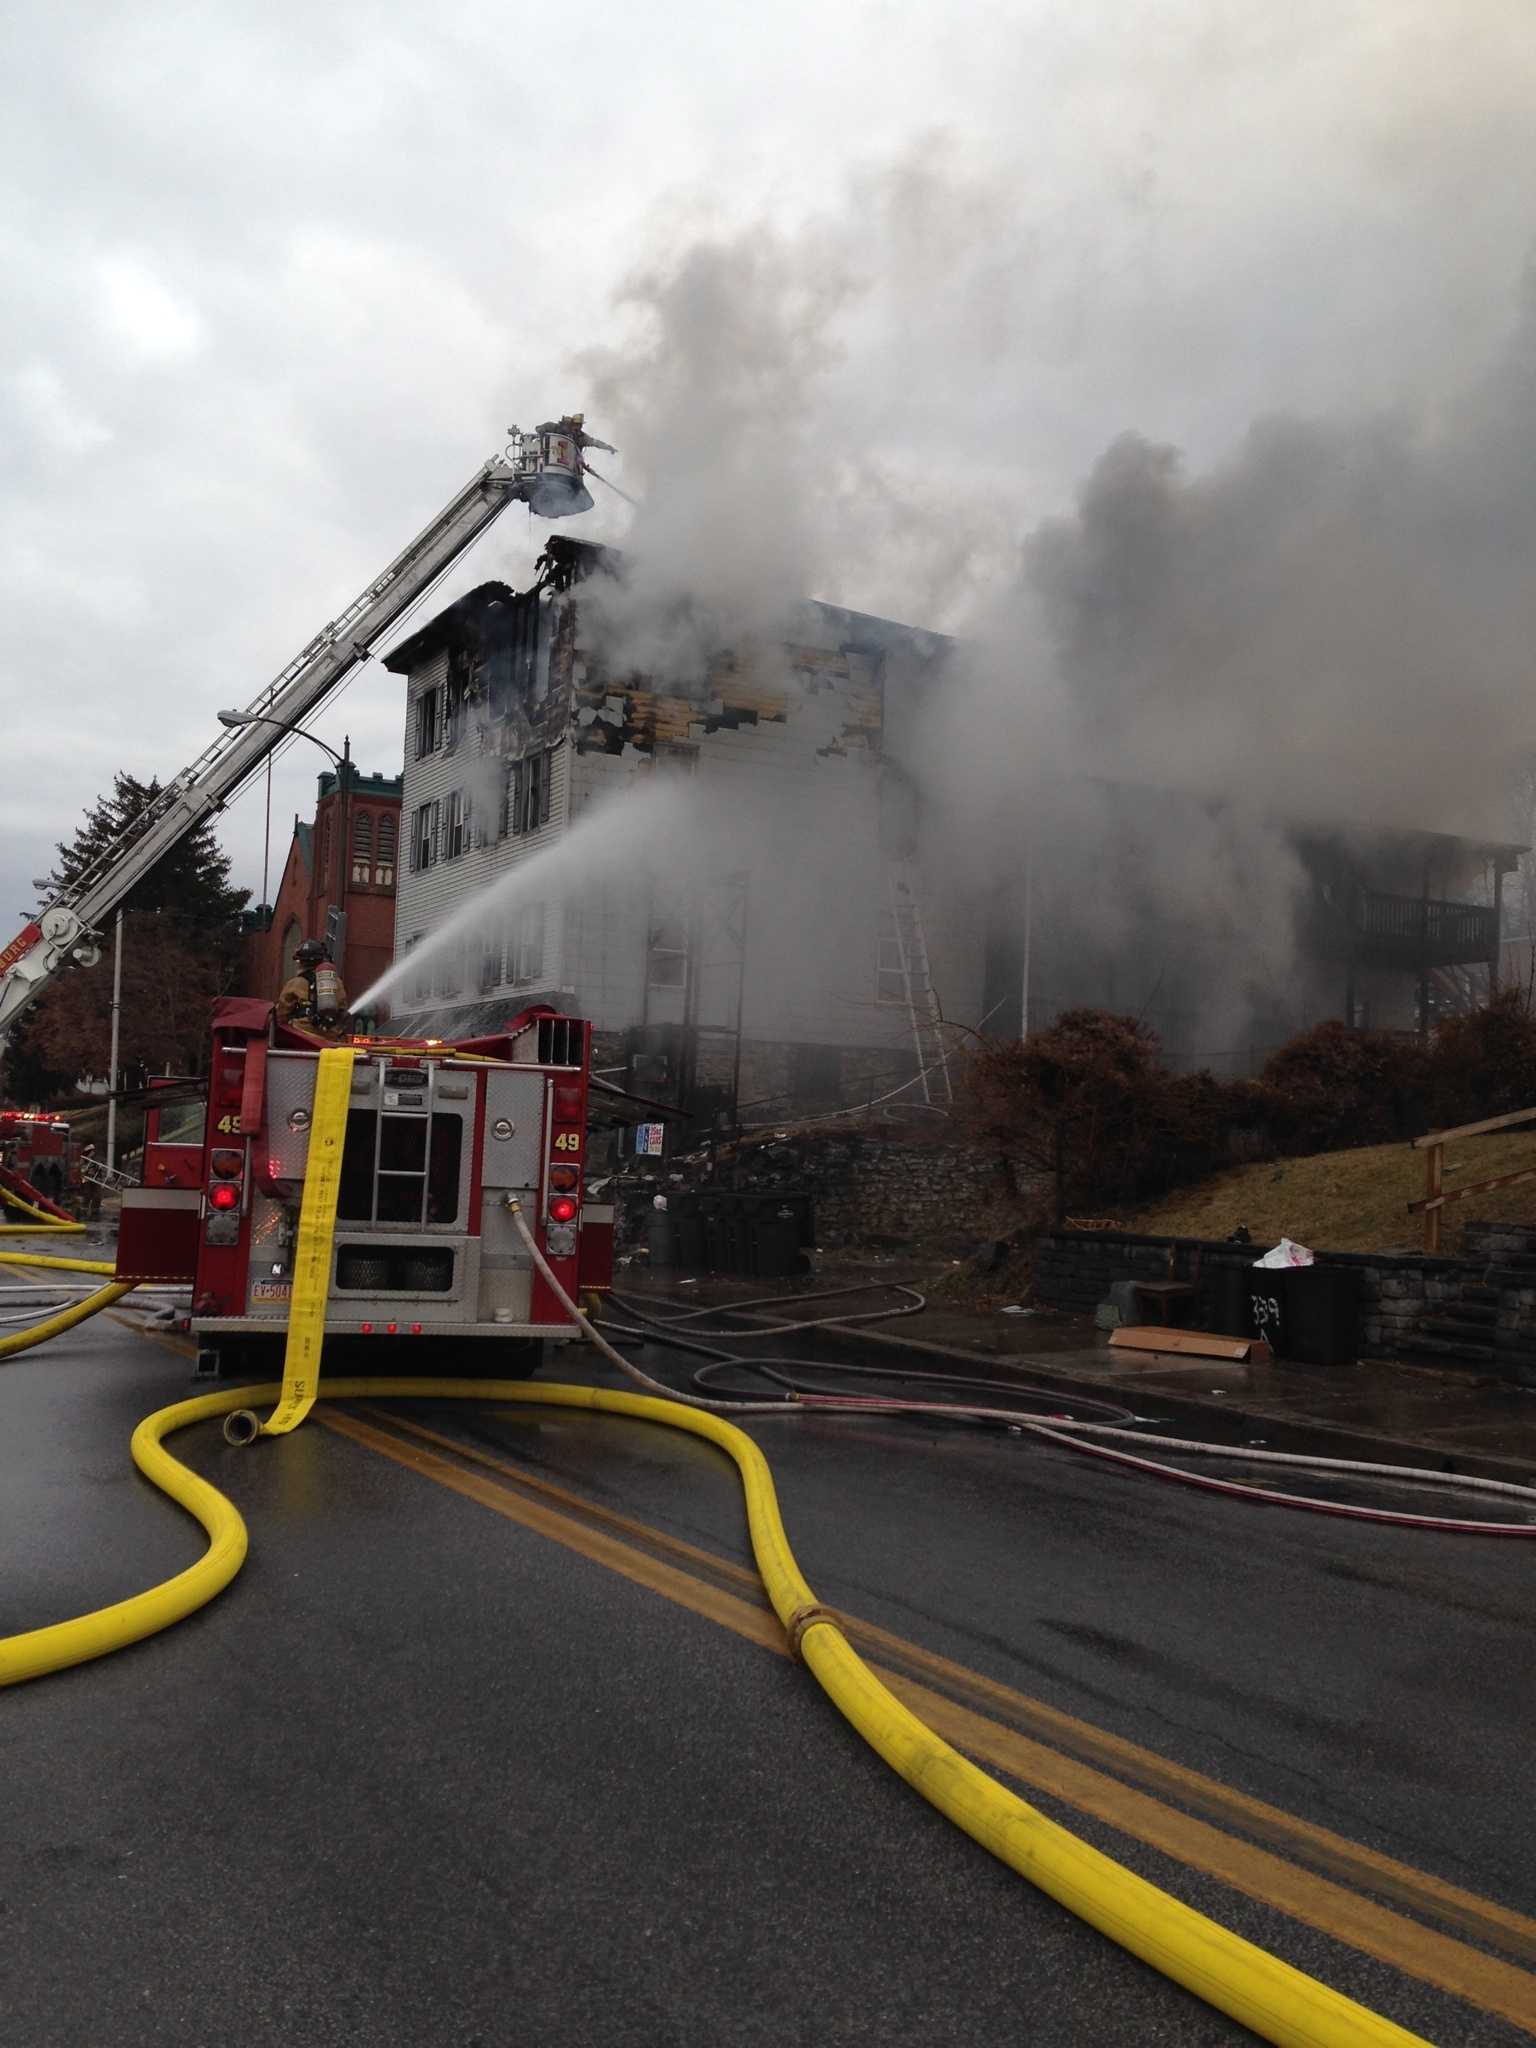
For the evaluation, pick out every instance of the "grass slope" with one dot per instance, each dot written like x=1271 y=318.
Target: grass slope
x=1354 y=1201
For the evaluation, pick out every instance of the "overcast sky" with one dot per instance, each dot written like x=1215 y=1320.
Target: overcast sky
x=279 y=277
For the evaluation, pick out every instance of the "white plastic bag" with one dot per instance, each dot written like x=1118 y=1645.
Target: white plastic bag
x=1285 y=1253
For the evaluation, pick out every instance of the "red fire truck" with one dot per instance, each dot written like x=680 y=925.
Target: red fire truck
x=440 y=1141
x=40 y=1148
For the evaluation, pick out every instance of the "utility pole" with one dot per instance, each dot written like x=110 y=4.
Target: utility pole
x=1029 y=902
x=117 y=1009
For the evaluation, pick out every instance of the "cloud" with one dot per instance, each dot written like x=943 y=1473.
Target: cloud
x=303 y=268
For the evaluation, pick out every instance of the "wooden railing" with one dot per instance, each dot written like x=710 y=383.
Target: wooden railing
x=1433 y=1145
x=1467 y=928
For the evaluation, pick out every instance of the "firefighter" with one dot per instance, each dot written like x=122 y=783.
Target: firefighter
x=315 y=996
x=90 y=1190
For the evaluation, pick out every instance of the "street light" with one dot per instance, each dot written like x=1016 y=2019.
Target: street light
x=235 y=719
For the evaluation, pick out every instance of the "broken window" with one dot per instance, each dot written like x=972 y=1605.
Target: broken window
x=424 y=836
x=525 y=798
x=666 y=954
x=362 y=847
x=427 y=713
x=490 y=959
x=384 y=866
x=456 y=841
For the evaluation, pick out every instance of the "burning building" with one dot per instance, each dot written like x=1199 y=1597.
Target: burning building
x=798 y=969
x=823 y=950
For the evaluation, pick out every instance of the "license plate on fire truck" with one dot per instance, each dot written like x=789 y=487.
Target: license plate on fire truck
x=271 y=1290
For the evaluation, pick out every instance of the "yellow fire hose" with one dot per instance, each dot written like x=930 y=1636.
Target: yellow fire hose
x=67 y=1265
x=1277 y=2002
x=30 y=1209
x=66 y=1318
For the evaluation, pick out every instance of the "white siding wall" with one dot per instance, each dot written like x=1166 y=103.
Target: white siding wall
x=815 y=845
x=816 y=890
x=426 y=898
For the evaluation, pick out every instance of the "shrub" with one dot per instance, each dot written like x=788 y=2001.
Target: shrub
x=1333 y=1086
x=1089 y=1103
x=1484 y=1063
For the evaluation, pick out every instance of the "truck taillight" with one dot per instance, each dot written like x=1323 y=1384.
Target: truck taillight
x=226 y=1165
x=562 y=1209
x=223 y=1195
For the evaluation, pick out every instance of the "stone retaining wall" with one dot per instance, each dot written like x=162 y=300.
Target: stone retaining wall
x=1477 y=1312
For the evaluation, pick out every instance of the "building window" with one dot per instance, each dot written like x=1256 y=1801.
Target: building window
x=325 y=850
x=453 y=696
x=526 y=794
x=490 y=959
x=362 y=847
x=421 y=976
x=525 y=944
x=450 y=970
x=384 y=865
x=428 y=712
x=457 y=839
x=424 y=835
x=666 y=954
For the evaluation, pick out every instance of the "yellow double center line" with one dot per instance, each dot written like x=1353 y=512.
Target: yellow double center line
x=1320 y=1878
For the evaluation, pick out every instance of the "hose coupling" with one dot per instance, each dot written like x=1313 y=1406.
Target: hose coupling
x=804 y=1618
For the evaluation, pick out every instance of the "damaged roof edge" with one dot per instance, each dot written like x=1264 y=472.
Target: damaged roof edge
x=566 y=561
x=441 y=627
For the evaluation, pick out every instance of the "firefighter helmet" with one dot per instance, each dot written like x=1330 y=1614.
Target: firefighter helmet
x=310 y=953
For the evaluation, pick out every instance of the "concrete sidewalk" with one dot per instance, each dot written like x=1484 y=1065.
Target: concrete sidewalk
x=1398 y=1414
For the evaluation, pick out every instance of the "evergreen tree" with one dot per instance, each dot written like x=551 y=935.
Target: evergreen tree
x=190 y=882
x=181 y=949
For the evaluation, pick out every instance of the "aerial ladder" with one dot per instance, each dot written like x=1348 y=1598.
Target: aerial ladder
x=542 y=468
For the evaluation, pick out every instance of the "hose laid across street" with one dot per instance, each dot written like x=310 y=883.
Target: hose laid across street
x=66 y=1318
x=1277 y=2002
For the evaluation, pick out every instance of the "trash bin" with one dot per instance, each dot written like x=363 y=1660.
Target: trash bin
x=1226 y=1297
x=689 y=1227
x=1268 y=1294
x=1309 y=1315
x=1322 y=1315
x=661 y=1238
x=774 y=1245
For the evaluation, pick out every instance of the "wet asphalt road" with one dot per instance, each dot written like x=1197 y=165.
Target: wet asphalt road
x=424 y=1775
